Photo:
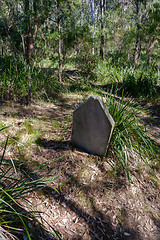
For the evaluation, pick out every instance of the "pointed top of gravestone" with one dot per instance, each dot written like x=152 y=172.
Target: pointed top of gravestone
x=92 y=126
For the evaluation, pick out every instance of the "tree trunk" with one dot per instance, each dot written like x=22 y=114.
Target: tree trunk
x=26 y=65
x=29 y=35
x=92 y=12
x=59 y=41
x=27 y=21
x=137 y=51
x=2 y=48
x=150 y=49
x=35 y=25
x=102 y=10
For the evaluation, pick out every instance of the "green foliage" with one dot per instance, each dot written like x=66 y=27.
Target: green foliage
x=130 y=142
x=140 y=84
x=86 y=61
x=109 y=73
x=14 y=83
x=142 y=81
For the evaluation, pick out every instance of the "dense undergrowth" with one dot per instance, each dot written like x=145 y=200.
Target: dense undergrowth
x=140 y=81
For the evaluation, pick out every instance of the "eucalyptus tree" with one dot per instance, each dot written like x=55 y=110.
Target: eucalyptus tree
x=152 y=28
x=147 y=22
x=59 y=40
x=139 y=10
x=133 y=28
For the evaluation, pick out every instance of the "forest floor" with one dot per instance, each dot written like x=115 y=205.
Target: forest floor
x=92 y=201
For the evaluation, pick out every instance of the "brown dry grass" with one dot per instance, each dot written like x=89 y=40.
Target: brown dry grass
x=93 y=201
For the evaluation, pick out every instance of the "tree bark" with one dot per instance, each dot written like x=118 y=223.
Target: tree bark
x=102 y=10
x=29 y=43
x=150 y=49
x=137 y=50
x=2 y=48
x=59 y=41
x=93 y=23
x=35 y=25
x=26 y=65
x=27 y=21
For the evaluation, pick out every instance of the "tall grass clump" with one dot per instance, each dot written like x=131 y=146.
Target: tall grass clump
x=16 y=182
x=109 y=73
x=130 y=142
x=141 y=83
x=15 y=81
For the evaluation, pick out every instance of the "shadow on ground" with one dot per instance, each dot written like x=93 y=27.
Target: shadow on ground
x=53 y=144
x=98 y=225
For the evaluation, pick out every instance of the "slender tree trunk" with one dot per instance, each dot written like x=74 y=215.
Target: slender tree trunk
x=137 y=50
x=102 y=10
x=59 y=41
x=29 y=36
x=27 y=21
x=28 y=76
x=35 y=26
x=92 y=12
x=29 y=44
x=2 y=48
x=26 y=65
x=150 y=49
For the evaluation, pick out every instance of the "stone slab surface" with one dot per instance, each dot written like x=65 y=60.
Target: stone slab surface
x=92 y=126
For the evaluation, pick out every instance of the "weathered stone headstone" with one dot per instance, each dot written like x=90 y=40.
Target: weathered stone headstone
x=92 y=126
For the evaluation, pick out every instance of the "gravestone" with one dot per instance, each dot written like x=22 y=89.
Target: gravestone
x=92 y=126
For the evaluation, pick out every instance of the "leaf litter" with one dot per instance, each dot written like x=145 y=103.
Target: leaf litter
x=92 y=202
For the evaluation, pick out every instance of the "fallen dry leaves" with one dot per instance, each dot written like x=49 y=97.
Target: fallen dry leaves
x=93 y=202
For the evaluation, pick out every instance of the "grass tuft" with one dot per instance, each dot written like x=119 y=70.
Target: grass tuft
x=140 y=84
x=130 y=142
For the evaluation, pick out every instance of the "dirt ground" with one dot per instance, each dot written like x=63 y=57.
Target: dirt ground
x=92 y=202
